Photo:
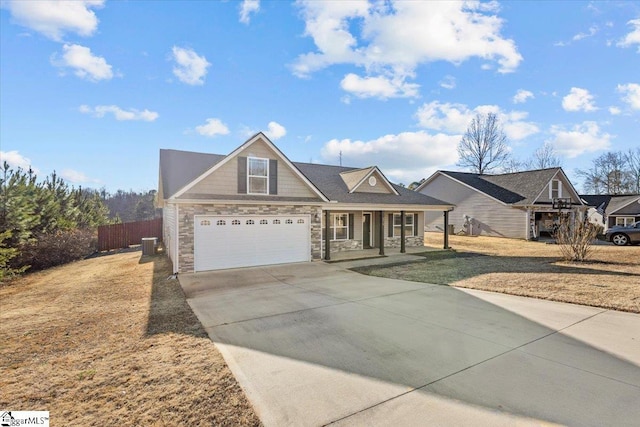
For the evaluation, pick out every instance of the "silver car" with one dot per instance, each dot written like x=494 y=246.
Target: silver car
x=621 y=235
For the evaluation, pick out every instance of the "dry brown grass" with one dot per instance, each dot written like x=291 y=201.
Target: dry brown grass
x=610 y=279
x=111 y=341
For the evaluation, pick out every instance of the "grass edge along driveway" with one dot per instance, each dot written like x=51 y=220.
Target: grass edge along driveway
x=610 y=279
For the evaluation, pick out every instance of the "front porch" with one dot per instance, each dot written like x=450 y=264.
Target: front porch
x=360 y=234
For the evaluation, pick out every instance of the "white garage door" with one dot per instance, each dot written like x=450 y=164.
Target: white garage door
x=245 y=241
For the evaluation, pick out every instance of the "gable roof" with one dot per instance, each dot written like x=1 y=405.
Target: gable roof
x=355 y=178
x=518 y=188
x=618 y=202
x=328 y=179
x=257 y=137
x=608 y=203
x=180 y=170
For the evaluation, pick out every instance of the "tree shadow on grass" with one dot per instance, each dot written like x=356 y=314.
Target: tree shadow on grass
x=446 y=267
x=169 y=311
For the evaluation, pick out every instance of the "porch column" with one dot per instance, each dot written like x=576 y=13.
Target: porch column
x=446 y=229
x=381 y=232
x=402 y=248
x=327 y=236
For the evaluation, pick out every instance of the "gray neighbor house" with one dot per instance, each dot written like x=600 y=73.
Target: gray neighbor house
x=516 y=205
x=256 y=207
x=608 y=211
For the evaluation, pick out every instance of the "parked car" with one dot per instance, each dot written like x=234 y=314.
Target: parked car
x=621 y=235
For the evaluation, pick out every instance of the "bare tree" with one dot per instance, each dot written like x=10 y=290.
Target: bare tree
x=513 y=165
x=483 y=147
x=608 y=175
x=543 y=158
x=632 y=158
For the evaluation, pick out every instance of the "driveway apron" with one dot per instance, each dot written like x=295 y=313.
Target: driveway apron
x=316 y=344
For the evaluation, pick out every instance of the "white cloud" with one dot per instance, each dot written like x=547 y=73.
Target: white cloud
x=378 y=87
x=247 y=8
x=583 y=138
x=16 y=160
x=448 y=82
x=633 y=37
x=83 y=63
x=614 y=111
x=397 y=36
x=190 y=67
x=54 y=18
x=593 y=30
x=578 y=99
x=77 y=177
x=455 y=118
x=406 y=156
x=119 y=113
x=212 y=127
x=631 y=94
x=522 y=96
x=275 y=131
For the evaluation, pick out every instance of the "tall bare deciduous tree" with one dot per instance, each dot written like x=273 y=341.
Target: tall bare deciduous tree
x=609 y=174
x=483 y=147
x=632 y=158
x=543 y=158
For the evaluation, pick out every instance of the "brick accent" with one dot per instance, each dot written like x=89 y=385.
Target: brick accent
x=187 y=213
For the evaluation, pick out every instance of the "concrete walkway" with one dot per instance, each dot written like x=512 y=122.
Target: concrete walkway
x=316 y=344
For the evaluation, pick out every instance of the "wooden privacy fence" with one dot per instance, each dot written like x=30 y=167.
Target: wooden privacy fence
x=118 y=236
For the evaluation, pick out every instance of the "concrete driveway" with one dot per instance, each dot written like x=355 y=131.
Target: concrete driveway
x=316 y=344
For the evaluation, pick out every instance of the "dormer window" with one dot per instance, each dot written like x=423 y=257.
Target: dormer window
x=257 y=175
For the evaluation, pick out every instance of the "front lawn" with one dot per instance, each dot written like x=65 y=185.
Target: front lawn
x=610 y=279
x=112 y=341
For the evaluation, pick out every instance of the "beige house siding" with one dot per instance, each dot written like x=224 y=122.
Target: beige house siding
x=566 y=192
x=224 y=181
x=380 y=187
x=169 y=230
x=187 y=212
x=489 y=217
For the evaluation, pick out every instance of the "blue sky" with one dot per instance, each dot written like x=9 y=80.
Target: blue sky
x=93 y=89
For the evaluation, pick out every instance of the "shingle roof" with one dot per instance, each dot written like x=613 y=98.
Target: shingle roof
x=328 y=180
x=520 y=188
x=599 y=201
x=618 y=202
x=179 y=168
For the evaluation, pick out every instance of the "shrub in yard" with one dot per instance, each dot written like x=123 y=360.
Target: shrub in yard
x=575 y=239
x=6 y=255
x=55 y=248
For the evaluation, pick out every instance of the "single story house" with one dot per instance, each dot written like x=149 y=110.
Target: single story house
x=517 y=205
x=256 y=207
x=607 y=210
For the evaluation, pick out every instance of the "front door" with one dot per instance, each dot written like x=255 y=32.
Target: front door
x=366 y=230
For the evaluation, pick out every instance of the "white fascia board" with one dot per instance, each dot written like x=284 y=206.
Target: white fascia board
x=390 y=208
x=235 y=152
x=384 y=180
x=243 y=202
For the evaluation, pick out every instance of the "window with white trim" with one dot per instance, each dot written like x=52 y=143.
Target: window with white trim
x=555 y=189
x=397 y=224
x=339 y=229
x=257 y=175
x=625 y=220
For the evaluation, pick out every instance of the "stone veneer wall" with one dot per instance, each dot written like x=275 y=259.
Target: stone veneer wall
x=187 y=213
x=345 y=245
x=394 y=242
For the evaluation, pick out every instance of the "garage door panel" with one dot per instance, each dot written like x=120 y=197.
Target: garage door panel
x=243 y=241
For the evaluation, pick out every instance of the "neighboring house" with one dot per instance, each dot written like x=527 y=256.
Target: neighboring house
x=256 y=207
x=607 y=211
x=518 y=205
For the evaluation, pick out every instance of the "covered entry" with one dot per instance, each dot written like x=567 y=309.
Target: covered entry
x=246 y=241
